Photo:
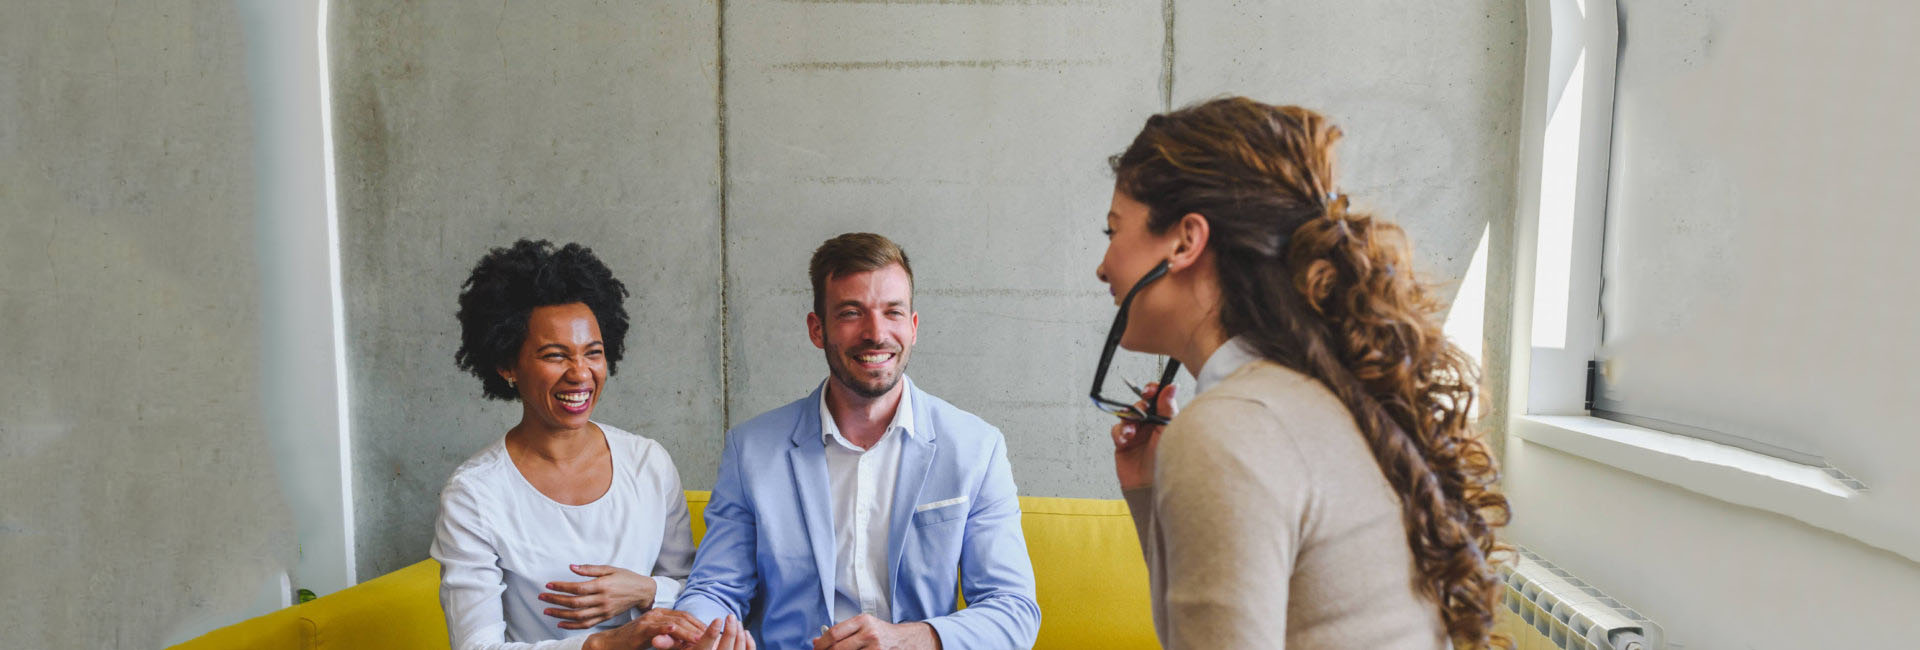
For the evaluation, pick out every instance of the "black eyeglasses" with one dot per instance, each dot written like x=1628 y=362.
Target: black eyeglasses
x=1126 y=410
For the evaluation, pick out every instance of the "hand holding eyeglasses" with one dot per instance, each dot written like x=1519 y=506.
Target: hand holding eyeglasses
x=1135 y=442
x=1136 y=438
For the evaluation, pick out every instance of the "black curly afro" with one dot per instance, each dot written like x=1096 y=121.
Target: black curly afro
x=508 y=283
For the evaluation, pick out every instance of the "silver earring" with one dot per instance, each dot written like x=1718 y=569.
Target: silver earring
x=510 y=383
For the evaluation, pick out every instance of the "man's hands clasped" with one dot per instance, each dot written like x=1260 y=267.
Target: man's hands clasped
x=865 y=632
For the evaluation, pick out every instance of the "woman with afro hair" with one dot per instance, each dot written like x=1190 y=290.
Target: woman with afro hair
x=563 y=532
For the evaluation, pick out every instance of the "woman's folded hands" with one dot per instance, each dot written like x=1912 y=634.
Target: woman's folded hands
x=611 y=591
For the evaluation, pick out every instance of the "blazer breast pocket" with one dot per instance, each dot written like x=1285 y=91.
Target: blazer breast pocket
x=928 y=514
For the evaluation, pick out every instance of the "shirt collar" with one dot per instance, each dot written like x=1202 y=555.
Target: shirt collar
x=902 y=415
x=1230 y=356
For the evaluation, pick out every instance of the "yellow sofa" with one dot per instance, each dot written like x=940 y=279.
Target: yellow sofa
x=1091 y=579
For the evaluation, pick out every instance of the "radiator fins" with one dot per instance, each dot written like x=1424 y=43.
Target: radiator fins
x=1567 y=613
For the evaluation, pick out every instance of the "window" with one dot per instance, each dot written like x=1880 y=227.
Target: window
x=1714 y=253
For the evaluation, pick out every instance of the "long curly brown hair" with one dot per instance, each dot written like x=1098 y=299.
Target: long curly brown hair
x=1331 y=294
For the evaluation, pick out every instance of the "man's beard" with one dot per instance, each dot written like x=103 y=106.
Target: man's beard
x=842 y=369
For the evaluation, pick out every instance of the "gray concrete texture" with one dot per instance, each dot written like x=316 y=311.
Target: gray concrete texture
x=973 y=132
x=1428 y=95
x=976 y=137
x=139 y=480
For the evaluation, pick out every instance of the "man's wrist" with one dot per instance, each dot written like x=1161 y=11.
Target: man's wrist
x=933 y=635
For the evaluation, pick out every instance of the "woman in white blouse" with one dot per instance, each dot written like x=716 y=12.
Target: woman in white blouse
x=564 y=532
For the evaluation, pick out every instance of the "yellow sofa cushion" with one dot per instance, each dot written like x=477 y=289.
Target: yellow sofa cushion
x=1091 y=579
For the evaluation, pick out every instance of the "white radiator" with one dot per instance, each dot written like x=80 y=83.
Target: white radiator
x=1550 y=608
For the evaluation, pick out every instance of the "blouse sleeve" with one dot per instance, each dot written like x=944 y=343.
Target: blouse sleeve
x=1140 y=504
x=1230 y=523
x=676 y=542
x=471 y=584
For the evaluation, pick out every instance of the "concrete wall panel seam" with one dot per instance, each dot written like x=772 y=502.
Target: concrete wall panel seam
x=1166 y=62
x=720 y=124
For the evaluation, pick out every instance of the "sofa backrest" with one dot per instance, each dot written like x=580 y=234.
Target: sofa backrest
x=1091 y=579
x=1090 y=574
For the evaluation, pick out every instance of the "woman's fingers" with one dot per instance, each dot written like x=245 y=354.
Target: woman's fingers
x=1131 y=434
x=669 y=628
x=592 y=570
x=584 y=623
x=1163 y=401
x=683 y=627
x=711 y=639
x=739 y=634
x=1136 y=434
x=575 y=614
x=571 y=602
x=582 y=588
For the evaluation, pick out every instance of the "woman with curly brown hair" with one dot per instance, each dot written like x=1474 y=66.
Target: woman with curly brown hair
x=1325 y=489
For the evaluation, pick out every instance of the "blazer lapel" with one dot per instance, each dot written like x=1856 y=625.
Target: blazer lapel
x=809 y=459
x=916 y=456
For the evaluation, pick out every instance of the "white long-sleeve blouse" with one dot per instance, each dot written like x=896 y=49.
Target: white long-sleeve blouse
x=499 y=541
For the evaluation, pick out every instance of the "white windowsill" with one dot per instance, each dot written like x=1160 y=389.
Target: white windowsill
x=1720 y=471
x=1730 y=474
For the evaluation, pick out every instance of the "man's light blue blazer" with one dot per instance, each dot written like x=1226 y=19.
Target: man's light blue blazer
x=768 y=554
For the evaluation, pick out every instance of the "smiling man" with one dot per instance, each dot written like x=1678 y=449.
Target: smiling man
x=853 y=516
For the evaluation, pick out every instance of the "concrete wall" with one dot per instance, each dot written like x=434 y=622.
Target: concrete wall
x=973 y=132
x=975 y=135
x=141 y=502
x=1428 y=95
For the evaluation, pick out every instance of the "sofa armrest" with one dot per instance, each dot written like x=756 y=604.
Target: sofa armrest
x=396 y=610
x=280 y=629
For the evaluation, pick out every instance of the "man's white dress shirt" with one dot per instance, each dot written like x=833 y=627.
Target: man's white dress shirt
x=862 y=481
